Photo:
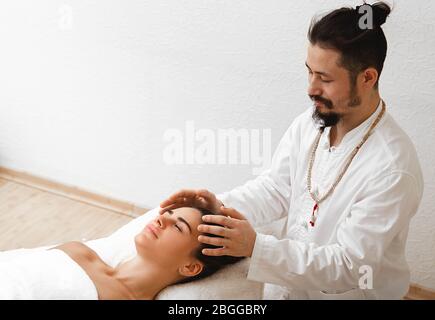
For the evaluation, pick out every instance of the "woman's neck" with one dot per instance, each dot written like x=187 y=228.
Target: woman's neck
x=143 y=279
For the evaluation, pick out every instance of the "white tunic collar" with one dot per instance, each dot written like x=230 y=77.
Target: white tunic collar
x=349 y=138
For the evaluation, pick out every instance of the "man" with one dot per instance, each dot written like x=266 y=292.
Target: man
x=344 y=174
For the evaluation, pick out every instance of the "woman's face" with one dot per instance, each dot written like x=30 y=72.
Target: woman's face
x=171 y=238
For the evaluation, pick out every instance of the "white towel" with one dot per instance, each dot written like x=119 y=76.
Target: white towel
x=44 y=275
x=230 y=283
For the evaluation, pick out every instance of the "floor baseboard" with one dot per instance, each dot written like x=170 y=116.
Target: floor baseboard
x=417 y=292
x=72 y=192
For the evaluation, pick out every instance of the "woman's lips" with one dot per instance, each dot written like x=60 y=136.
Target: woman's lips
x=152 y=229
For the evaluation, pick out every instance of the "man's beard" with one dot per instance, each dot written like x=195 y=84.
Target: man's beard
x=325 y=119
x=330 y=119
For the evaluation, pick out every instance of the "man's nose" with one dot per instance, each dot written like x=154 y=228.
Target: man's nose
x=313 y=88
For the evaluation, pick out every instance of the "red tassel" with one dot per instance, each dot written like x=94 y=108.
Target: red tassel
x=316 y=206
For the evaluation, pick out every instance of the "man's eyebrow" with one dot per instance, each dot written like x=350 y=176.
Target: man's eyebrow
x=318 y=72
x=184 y=221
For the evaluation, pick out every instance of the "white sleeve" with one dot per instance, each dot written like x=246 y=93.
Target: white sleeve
x=266 y=198
x=387 y=205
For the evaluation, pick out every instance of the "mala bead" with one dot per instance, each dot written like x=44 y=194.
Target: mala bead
x=317 y=200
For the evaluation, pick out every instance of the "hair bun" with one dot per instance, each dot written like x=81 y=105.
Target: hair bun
x=381 y=11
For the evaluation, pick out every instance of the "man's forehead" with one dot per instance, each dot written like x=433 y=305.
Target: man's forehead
x=321 y=59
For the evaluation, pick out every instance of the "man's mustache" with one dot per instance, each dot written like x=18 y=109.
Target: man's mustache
x=326 y=102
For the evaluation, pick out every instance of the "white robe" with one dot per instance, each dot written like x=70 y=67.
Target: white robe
x=361 y=227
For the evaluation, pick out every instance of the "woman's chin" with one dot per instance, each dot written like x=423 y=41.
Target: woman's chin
x=142 y=240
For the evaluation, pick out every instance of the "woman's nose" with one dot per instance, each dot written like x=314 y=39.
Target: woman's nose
x=161 y=221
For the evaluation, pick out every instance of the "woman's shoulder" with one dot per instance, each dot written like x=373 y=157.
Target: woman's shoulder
x=99 y=272
x=79 y=251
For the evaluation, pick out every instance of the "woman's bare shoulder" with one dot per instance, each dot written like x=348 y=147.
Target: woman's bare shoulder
x=100 y=273
x=77 y=249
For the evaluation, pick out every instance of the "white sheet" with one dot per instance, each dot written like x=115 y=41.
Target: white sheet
x=43 y=275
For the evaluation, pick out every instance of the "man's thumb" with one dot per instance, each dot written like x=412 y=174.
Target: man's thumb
x=233 y=213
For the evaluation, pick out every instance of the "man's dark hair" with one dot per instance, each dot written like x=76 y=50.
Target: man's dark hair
x=211 y=264
x=360 y=48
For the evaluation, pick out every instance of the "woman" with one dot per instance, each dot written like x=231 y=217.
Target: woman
x=168 y=252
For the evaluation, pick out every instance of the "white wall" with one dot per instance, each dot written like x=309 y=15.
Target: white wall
x=89 y=88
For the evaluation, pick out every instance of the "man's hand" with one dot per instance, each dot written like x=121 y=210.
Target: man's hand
x=239 y=235
x=192 y=198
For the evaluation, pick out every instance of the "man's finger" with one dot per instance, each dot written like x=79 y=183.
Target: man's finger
x=171 y=207
x=233 y=213
x=201 y=202
x=215 y=252
x=207 y=195
x=218 y=219
x=183 y=193
x=219 y=231
x=179 y=202
x=220 y=212
x=216 y=241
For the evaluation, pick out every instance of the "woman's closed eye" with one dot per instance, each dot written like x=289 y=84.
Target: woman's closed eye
x=178 y=227
x=183 y=229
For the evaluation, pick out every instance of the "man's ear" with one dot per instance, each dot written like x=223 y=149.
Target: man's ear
x=370 y=76
x=191 y=268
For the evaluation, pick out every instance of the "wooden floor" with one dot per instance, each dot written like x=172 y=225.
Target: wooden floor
x=30 y=217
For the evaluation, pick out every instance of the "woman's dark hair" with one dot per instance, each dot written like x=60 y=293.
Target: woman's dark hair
x=360 y=46
x=211 y=264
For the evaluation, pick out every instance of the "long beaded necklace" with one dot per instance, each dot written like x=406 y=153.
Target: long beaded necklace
x=317 y=200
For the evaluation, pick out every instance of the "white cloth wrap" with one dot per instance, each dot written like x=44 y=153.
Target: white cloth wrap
x=43 y=275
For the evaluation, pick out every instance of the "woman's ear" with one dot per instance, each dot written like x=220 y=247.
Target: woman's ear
x=191 y=269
